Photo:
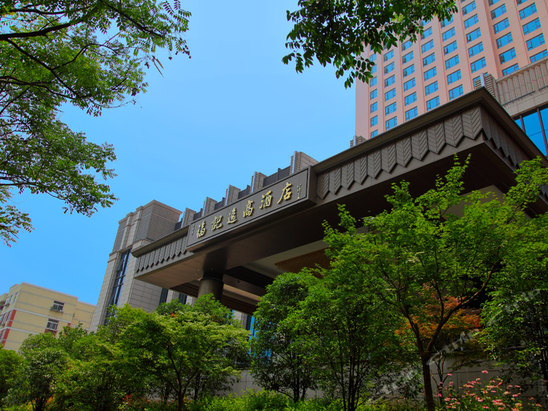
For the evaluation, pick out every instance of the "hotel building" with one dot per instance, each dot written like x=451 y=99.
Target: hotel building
x=483 y=41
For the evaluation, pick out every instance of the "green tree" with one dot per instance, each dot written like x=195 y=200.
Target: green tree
x=92 y=54
x=423 y=252
x=338 y=32
x=10 y=366
x=280 y=359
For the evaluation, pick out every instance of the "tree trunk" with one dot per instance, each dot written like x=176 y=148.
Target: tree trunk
x=427 y=381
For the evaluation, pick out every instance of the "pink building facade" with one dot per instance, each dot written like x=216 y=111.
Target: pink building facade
x=495 y=37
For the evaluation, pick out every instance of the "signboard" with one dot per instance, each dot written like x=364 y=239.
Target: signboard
x=281 y=195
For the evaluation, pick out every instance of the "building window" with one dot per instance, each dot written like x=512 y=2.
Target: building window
x=507 y=55
x=430 y=104
x=409 y=70
x=390 y=108
x=535 y=42
x=430 y=88
x=501 y=25
x=389 y=68
x=374 y=133
x=389 y=55
x=373 y=121
x=521 y=1
x=473 y=35
x=535 y=125
x=52 y=325
x=391 y=122
x=429 y=59
x=499 y=11
x=119 y=276
x=451 y=47
x=455 y=92
x=475 y=49
x=455 y=76
x=510 y=69
x=471 y=21
x=389 y=80
x=409 y=84
x=374 y=69
x=448 y=34
x=446 y=22
x=373 y=57
x=373 y=94
x=452 y=62
x=428 y=74
x=407 y=58
x=539 y=56
x=527 y=11
x=411 y=98
x=426 y=33
x=468 y=8
x=478 y=64
x=406 y=45
x=373 y=82
x=504 y=40
x=182 y=298
x=427 y=46
x=58 y=306
x=491 y=2
x=409 y=114
x=390 y=94
x=531 y=26
x=163 y=296
x=373 y=107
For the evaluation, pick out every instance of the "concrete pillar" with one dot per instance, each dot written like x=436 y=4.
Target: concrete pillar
x=211 y=283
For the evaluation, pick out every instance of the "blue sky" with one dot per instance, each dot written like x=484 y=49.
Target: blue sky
x=232 y=109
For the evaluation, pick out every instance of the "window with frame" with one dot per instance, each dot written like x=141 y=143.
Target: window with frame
x=426 y=33
x=389 y=80
x=411 y=113
x=491 y=2
x=531 y=26
x=455 y=76
x=468 y=8
x=388 y=68
x=373 y=107
x=391 y=122
x=411 y=98
x=455 y=92
x=527 y=11
x=478 y=64
x=407 y=58
x=510 y=69
x=499 y=11
x=446 y=22
x=58 y=306
x=504 y=40
x=428 y=74
x=451 y=47
x=373 y=121
x=389 y=55
x=473 y=35
x=471 y=21
x=52 y=325
x=501 y=25
x=507 y=55
x=119 y=276
x=446 y=35
x=409 y=84
x=519 y=2
x=374 y=133
x=539 y=56
x=373 y=57
x=373 y=94
x=433 y=103
x=429 y=59
x=374 y=69
x=475 y=49
x=535 y=42
x=182 y=298
x=406 y=45
x=430 y=88
x=390 y=94
x=373 y=81
x=427 y=46
x=408 y=70
x=390 y=108
x=453 y=61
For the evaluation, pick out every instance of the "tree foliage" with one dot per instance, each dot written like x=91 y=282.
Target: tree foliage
x=10 y=363
x=92 y=54
x=339 y=32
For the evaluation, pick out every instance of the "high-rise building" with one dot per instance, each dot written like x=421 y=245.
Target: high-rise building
x=485 y=39
x=29 y=309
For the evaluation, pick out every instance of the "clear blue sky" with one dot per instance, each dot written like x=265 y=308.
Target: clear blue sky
x=232 y=109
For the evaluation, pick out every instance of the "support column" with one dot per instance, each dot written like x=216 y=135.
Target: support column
x=211 y=283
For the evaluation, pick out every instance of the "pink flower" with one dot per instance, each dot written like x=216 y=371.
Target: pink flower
x=449 y=374
x=485 y=372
